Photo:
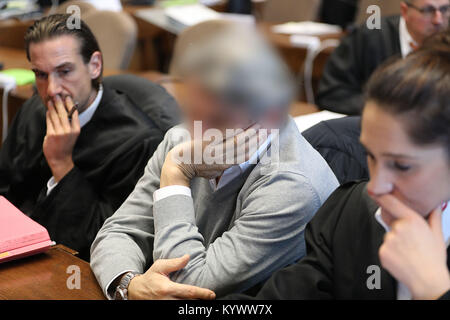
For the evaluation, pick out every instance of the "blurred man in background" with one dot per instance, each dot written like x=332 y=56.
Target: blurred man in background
x=240 y=6
x=363 y=50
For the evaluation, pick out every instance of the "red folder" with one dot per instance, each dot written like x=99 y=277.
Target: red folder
x=20 y=236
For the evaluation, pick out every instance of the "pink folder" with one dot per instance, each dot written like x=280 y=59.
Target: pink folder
x=20 y=236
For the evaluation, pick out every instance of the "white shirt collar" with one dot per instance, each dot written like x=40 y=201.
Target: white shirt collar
x=235 y=171
x=87 y=114
x=403 y=292
x=405 y=38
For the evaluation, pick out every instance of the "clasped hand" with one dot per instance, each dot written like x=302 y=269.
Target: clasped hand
x=199 y=158
x=414 y=251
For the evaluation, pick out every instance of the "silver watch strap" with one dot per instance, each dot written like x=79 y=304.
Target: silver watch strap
x=122 y=289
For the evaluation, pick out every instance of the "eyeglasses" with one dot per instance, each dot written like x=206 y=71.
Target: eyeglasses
x=430 y=11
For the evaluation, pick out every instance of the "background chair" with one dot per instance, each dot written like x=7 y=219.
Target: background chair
x=388 y=8
x=279 y=11
x=151 y=98
x=85 y=7
x=338 y=142
x=116 y=33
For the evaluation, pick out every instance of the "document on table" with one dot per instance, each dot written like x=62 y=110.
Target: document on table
x=20 y=236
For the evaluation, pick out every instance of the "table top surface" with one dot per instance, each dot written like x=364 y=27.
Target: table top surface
x=157 y=17
x=46 y=276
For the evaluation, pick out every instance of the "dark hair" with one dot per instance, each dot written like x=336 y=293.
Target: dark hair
x=56 y=25
x=418 y=89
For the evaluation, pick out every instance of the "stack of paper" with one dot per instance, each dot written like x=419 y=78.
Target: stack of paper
x=211 y=2
x=190 y=15
x=302 y=41
x=308 y=28
x=113 y=5
x=20 y=236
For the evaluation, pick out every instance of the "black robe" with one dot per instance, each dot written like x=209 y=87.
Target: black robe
x=352 y=63
x=342 y=241
x=109 y=156
x=340 y=12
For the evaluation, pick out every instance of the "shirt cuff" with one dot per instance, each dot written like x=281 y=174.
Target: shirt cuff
x=171 y=191
x=51 y=184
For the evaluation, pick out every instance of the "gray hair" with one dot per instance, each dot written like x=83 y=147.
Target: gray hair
x=235 y=63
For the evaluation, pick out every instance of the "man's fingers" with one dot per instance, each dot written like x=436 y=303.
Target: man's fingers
x=50 y=129
x=395 y=207
x=75 y=122
x=54 y=118
x=435 y=223
x=256 y=126
x=184 y=291
x=167 y=266
x=239 y=133
x=62 y=113
x=69 y=103
x=240 y=147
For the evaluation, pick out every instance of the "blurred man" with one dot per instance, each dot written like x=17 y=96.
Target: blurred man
x=340 y=12
x=74 y=151
x=240 y=6
x=362 y=51
x=234 y=221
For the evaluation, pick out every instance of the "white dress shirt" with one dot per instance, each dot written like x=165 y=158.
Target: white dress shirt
x=84 y=117
x=405 y=39
x=403 y=292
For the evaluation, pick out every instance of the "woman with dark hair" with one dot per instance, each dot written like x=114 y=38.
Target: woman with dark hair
x=387 y=238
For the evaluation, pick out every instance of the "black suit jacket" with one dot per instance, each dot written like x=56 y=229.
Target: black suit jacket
x=109 y=156
x=337 y=141
x=353 y=62
x=342 y=242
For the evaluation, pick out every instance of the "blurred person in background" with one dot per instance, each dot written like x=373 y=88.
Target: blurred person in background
x=363 y=50
x=240 y=6
x=339 y=12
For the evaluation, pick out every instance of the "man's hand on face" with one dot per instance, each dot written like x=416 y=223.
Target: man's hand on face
x=232 y=151
x=156 y=285
x=61 y=136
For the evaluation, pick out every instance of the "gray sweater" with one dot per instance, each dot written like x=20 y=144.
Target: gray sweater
x=236 y=236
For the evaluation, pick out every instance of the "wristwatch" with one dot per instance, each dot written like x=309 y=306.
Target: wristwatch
x=122 y=289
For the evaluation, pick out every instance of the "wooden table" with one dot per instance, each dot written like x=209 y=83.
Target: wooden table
x=14 y=58
x=45 y=276
x=295 y=56
x=12 y=33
